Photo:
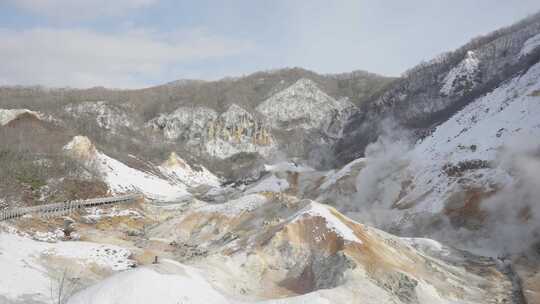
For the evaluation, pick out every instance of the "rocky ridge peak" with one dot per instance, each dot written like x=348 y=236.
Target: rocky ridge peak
x=304 y=105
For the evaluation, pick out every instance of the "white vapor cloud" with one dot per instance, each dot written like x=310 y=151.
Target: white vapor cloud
x=85 y=58
x=81 y=8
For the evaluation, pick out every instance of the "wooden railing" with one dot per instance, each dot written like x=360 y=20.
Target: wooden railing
x=66 y=207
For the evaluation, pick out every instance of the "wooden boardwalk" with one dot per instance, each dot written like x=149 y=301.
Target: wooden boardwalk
x=66 y=207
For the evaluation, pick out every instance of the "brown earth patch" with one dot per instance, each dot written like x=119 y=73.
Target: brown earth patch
x=302 y=284
x=293 y=178
x=463 y=208
x=312 y=232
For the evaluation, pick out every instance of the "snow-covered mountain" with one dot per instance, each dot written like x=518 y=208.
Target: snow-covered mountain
x=300 y=113
x=432 y=92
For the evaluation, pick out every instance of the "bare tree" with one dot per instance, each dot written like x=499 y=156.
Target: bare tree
x=63 y=287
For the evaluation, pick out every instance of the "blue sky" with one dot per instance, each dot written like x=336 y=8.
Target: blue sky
x=138 y=43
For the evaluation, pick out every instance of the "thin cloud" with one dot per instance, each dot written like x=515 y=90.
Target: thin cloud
x=85 y=58
x=81 y=8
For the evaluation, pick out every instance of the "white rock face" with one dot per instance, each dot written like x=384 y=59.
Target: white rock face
x=222 y=135
x=107 y=116
x=463 y=77
x=305 y=105
x=186 y=123
x=236 y=130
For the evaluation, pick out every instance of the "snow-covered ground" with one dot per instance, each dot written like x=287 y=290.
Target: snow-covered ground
x=25 y=272
x=168 y=283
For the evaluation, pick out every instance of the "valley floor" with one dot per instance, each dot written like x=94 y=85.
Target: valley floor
x=258 y=248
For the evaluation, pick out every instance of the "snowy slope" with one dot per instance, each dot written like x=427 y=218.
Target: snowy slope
x=530 y=45
x=179 y=170
x=122 y=178
x=171 y=283
x=478 y=132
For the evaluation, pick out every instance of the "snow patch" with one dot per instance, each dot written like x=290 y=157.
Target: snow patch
x=270 y=184
x=333 y=177
x=288 y=167
x=236 y=207
x=179 y=170
x=49 y=237
x=463 y=77
x=425 y=245
x=332 y=222
x=530 y=45
x=95 y=214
